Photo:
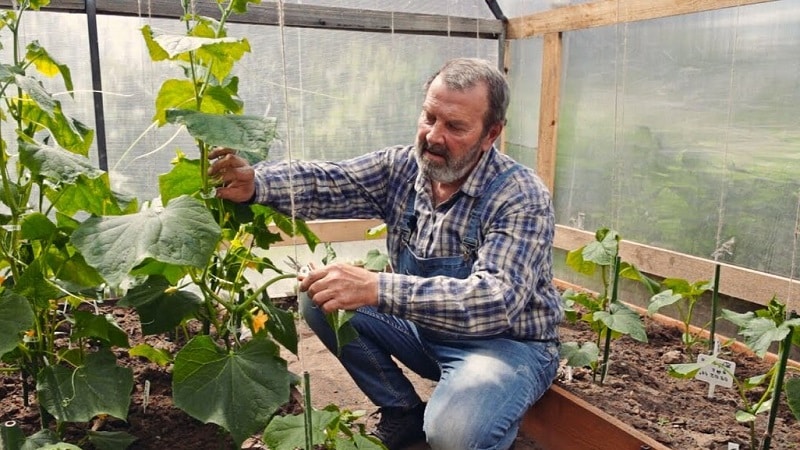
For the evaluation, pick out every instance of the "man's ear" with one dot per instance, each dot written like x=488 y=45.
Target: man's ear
x=491 y=136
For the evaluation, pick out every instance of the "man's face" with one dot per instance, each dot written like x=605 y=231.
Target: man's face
x=450 y=131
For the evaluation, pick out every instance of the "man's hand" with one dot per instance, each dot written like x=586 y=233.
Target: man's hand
x=235 y=174
x=341 y=286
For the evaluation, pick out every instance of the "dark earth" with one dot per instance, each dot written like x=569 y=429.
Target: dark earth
x=637 y=390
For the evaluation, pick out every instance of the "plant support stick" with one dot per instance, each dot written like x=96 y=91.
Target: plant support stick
x=714 y=300
x=785 y=349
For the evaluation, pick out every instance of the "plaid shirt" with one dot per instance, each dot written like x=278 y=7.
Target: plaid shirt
x=510 y=289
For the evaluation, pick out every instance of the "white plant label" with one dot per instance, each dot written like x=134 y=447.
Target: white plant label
x=719 y=373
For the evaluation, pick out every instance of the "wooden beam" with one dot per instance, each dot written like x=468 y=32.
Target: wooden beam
x=610 y=12
x=746 y=284
x=548 y=109
x=333 y=231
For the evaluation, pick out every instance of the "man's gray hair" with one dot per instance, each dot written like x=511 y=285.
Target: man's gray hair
x=464 y=73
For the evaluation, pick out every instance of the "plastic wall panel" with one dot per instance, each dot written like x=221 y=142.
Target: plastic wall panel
x=682 y=133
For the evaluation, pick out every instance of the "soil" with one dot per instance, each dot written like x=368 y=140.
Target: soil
x=637 y=390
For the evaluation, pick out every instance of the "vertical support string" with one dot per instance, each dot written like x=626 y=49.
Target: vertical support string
x=619 y=118
x=289 y=149
x=719 y=244
x=792 y=304
x=287 y=115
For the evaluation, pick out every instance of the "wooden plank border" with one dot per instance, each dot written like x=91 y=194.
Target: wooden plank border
x=610 y=12
x=737 y=282
x=562 y=420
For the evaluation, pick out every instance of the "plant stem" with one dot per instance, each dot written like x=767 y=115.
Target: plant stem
x=607 y=347
x=785 y=349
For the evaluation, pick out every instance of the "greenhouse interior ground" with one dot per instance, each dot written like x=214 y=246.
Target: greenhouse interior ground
x=675 y=124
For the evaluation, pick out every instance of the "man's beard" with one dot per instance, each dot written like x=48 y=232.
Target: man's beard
x=452 y=169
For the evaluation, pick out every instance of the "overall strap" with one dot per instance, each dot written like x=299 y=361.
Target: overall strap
x=470 y=241
x=408 y=223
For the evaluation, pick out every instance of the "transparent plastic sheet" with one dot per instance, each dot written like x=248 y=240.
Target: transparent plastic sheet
x=681 y=133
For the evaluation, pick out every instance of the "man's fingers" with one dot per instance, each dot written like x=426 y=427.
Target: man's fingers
x=218 y=152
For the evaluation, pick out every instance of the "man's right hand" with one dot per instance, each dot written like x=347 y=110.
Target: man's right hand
x=234 y=173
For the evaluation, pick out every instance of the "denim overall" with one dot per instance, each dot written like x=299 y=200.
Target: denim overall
x=484 y=386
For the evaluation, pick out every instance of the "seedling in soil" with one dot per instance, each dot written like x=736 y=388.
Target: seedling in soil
x=607 y=316
x=761 y=329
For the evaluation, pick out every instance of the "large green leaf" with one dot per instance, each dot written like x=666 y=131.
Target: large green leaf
x=221 y=54
x=101 y=327
x=376 y=260
x=98 y=387
x=152 y=354
x=339 y=321
x=240 y=6
x=238 y=390
x=183 y=179
x=580 y=355
x=183 y=233
x=282 y=326
x=69 y=133
x=40 y=439
x=16 y=316
x=176 y=44
x=161 y=307
x=111 y=440
x=174 y=94
x=288 y=432
x=37 y=226
x=47 y=65
x=56 y=164
x=37 y=4
x=604 y=249
x=576 y=262
x=89 y=194
x=623 y=320
x=35 y=286
x=37 y=93
x=249 y=135
x=156 y=52
x=760 y=332
x=662 y=299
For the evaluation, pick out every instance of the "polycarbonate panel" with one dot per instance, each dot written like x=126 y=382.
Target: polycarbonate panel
x=525 y=79
x=460 y=8
x=682 y=133
x=348 y=92
x=51 y=31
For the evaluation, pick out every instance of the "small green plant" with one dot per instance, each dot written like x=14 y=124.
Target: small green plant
x=761 y=329
x=608 y=317
x=684 y=296
x=51 y=331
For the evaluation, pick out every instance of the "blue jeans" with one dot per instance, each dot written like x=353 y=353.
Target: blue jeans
x=484 y=385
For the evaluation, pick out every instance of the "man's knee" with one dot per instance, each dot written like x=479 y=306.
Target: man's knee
x=462 y=429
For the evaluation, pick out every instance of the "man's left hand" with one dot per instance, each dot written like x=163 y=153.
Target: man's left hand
x=341 y=286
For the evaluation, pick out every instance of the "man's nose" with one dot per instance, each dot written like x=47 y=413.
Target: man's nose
x=435 y=134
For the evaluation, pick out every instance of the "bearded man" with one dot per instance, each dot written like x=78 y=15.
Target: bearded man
x=469 y=300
